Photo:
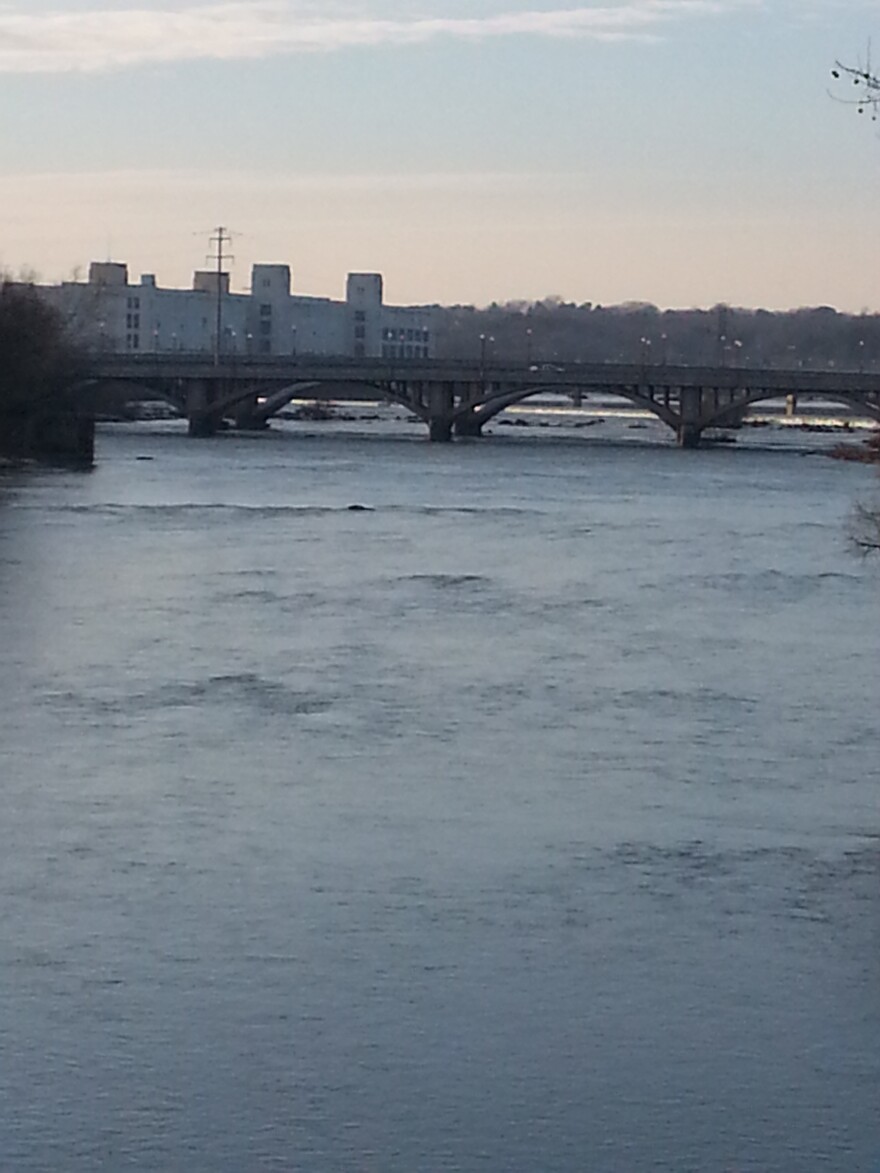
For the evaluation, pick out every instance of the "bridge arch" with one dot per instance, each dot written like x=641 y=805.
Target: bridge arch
x=486 y=409
x=656 y=400
x=387 y=391
x=747 y=397
x=160 y=388
x=266 y=405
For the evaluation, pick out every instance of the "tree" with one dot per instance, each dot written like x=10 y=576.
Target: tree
x=865 y=529
x=38 y=362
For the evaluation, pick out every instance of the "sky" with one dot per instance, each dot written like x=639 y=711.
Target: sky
x=680 y=152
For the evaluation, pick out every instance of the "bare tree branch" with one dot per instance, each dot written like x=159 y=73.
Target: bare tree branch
x=866 y=81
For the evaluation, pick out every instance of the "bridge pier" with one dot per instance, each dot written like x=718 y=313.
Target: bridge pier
x=200 y=413
x=202 y=424
x=440 y=430
x=468 y=424
x=441 y=403
x=690 y=415
x=251 y=423
x=246 y=417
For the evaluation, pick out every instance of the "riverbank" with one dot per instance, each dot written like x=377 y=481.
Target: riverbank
x=65 y=437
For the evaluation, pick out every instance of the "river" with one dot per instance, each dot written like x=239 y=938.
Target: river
x=525 y=820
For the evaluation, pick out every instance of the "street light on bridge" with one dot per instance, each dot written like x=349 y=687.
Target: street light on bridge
x=483 y=343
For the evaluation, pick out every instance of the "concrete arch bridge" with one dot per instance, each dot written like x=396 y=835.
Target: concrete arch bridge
x=459 y=397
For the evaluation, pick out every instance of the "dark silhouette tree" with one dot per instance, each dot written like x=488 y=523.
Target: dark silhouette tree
x=38 y=362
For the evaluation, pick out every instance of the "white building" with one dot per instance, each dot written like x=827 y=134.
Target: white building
x=111 y=314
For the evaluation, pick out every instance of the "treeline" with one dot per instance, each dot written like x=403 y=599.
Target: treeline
x=553 y=330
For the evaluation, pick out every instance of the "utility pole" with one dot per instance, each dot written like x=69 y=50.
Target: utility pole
x=220 y=239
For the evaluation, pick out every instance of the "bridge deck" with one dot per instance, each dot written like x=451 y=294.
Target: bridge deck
x=583 y=376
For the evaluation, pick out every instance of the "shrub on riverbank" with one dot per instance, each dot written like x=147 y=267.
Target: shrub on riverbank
x=868 y=452
x=865 y=522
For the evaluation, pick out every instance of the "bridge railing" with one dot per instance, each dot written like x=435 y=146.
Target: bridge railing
x=184 y=364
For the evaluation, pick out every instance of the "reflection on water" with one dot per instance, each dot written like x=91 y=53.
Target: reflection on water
x=526 y=820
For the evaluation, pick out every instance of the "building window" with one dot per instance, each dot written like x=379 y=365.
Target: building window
x=265 y=327
x=360 y=316
x=265 y=311
x=360 y=332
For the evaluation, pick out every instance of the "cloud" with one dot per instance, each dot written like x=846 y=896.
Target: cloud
x=109 y=39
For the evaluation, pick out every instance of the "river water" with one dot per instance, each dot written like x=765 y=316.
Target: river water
x=526 y=820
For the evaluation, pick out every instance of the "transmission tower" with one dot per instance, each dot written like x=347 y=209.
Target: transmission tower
x=221 y=238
